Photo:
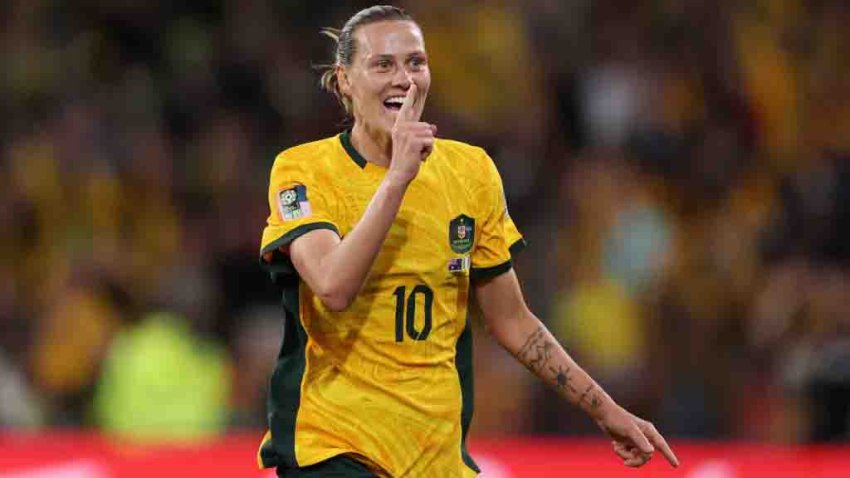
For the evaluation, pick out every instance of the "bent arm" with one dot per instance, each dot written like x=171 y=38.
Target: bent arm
x=335 y=269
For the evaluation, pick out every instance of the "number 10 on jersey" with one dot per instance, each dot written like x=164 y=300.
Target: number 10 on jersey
x=405 y=312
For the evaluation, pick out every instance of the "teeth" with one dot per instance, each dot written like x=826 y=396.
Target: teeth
x=395 y=100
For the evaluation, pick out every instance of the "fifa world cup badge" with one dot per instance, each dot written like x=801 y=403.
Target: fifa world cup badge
x=462 y=234
x=292 y=203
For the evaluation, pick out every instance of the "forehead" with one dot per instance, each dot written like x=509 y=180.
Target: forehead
x=397 y=37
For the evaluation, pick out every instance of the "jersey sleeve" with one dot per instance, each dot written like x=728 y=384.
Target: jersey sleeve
x=498 y=237
x=299 y=202
x=516 y=243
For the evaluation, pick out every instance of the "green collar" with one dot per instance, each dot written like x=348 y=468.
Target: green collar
x=345 y=139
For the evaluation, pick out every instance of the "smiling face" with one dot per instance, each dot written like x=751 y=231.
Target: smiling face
x=388 y=56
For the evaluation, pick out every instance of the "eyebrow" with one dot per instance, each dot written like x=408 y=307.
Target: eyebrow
x=387 y=56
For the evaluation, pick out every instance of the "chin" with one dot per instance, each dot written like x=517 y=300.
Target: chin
x=382 y=124
x=388 y=122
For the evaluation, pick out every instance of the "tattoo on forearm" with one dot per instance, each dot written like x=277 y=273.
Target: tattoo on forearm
x=536 y=351
x=562 y=378
x=536 y=354
x=592 y=398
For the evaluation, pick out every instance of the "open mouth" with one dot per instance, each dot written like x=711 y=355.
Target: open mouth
x=394 y=103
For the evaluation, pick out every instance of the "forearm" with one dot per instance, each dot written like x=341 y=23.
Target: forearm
x=534 y=346
x=346 y=267
x=522 y=334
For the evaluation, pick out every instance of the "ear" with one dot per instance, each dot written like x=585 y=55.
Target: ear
x=342 y=80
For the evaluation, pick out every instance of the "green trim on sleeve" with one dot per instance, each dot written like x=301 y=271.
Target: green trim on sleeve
x=280 y=262
x=518 y=246
x=479 y=273
x=295 y=234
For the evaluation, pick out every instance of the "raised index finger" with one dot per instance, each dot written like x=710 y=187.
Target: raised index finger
x=409 y=111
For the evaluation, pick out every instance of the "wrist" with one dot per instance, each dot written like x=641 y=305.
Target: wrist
x=599 y=405
x=396 y=183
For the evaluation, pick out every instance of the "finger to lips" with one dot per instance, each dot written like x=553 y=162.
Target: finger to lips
x=419 y=105
x=407 y=111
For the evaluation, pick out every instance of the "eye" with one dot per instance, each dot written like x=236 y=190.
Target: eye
x=417 y=62
x=384 y=64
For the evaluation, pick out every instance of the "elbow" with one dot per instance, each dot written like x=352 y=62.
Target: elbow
x=336 y=303
x=497 y=332
x=328 y=280
x=495 y=329
x=507 y=328
x=336 y=299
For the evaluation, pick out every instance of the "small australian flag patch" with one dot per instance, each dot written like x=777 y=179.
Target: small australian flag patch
x=459 y=264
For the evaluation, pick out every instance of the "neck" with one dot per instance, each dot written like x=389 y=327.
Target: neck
x=375 y=146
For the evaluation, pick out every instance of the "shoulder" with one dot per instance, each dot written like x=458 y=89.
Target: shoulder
x=468 y=158
x=307 y=156
x=459 y=149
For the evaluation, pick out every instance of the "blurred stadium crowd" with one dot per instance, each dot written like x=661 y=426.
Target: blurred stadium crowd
x=680 y=170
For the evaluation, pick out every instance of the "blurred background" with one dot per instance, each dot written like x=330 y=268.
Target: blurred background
x=680 y=169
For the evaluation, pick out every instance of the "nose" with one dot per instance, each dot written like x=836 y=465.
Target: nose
x=402 y=78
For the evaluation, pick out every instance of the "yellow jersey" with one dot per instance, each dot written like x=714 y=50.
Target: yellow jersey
x=388 y=380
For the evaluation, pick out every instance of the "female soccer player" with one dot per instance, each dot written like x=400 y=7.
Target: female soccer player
x=378 y=236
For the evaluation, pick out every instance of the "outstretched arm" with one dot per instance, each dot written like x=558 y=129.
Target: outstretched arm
x=522 y=334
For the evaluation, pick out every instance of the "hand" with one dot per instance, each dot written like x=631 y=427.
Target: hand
x=634 y=439
x=413 y=140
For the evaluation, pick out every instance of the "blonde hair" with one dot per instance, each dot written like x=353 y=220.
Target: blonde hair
x=346 y=47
